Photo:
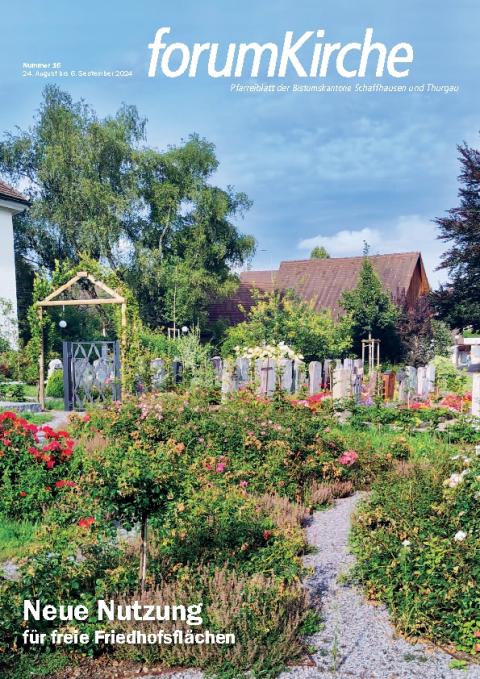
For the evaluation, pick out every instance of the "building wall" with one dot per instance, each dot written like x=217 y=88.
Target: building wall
x=7 y=258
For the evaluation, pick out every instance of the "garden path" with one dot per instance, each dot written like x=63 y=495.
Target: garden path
x=357 y=640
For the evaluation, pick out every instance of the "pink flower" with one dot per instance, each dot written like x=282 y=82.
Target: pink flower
x=220 y=467
x=348 y=458
x=86 y=418
x=243 y=484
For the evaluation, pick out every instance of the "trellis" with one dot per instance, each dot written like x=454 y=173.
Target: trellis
x=52 y=300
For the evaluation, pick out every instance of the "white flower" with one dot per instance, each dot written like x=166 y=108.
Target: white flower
x=477 y=450
x=406 y=543
x=455 y=457
x=477 y=495
x=460 y=536
x=455 y=479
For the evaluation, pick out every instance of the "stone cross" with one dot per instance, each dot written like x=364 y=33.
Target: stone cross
x=266 y=369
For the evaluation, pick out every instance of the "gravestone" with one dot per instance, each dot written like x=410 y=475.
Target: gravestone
x=356 y=380
x=217 y=367
x=327 y=373
x=177 y=369
x=315 y=377
x=402 y=381
x=157 y=372
x=475 y=357
x=285 y=374
x=342 y=386
x=411 y=373
x=267 y=376
x=299 y=374
x=421 y=380
x=358 y=365
x=430 y=378
x=242 y=372
x=54 y=364
x=228 y=380
x=476 y=395
x=348 y=363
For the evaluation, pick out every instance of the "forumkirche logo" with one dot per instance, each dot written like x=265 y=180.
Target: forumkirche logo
x=305 y=55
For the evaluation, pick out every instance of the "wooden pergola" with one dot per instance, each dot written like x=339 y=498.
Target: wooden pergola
x=52 y=300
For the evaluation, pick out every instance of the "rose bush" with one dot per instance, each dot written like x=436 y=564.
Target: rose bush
x=33 y=462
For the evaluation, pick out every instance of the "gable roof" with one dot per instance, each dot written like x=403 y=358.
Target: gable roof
x=323 y=281
x=9 y=193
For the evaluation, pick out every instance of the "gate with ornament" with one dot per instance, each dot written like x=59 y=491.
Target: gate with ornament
x=91 y=373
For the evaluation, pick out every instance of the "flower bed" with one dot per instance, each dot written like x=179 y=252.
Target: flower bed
x=417 y=545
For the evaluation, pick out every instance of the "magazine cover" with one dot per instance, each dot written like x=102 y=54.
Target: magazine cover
x=239 y=340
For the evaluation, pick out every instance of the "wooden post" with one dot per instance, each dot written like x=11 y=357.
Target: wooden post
x=124 y=347
x=41 y=363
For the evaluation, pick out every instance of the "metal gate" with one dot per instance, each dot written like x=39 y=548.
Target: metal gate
x=91 y=373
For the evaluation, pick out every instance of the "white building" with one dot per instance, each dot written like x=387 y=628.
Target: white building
x=11 y=203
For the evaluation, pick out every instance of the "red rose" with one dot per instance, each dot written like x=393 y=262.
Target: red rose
x=87 y=522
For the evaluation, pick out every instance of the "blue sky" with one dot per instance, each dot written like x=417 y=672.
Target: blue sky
x=332 y=169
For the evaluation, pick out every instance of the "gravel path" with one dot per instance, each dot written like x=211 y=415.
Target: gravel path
x=357 y=639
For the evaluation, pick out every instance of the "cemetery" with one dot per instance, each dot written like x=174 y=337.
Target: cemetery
x=295 y=451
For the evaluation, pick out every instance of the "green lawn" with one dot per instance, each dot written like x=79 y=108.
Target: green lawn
x=15 y=538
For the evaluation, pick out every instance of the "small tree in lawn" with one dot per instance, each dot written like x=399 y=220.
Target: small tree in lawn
x=371 y=311
x=140 y=481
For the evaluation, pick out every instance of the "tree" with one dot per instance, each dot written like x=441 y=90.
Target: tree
x=371 y=312
x=458 y=302
x=278 y=317
x=319 y=252
x=153 y=217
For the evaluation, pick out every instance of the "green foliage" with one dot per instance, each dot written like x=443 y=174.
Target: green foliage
x=448 y=378
x=31 y=473
x=417 y=548
x=458 y=302
x=55 y=384
x=279 y=317
x=154 y=217
x=319 y=252
x=442 y=338
x=12 y=391
x=371 y=312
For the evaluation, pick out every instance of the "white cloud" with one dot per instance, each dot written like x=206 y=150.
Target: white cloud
x=406 y=234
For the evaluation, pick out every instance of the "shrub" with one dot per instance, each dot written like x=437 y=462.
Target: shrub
x=33 y=470
x=418 y=548
x=55 y=384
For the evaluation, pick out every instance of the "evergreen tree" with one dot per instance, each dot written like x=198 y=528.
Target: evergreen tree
x=459 y=302
x=372 y=312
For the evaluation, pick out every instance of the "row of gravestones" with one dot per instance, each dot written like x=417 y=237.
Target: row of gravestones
x=344 y=378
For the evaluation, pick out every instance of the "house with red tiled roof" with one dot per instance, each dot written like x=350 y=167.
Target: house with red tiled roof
x=323 y=281
x=11 y=203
